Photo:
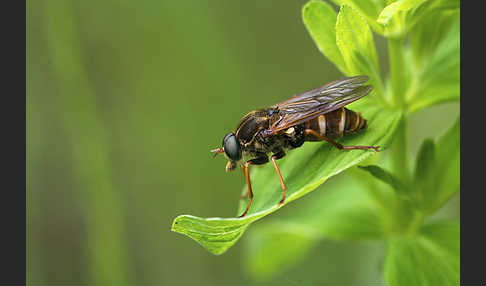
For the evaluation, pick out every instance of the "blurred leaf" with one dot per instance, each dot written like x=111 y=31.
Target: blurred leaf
x=447 y=180
x=320 y=20
x=439 y=80
x=343 y=211
x=447 y=5
x=429 y=258
x=393 y=17
x=425 y=168
x=81 y=121
x=444 y=90
x=386 y=177
x=303 y=169
x=276 y=246
x=428 y=33
x=399 y=17
x=388 y=12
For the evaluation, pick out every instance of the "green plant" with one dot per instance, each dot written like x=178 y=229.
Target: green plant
x=384 y=200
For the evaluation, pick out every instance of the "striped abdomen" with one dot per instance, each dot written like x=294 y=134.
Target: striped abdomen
x=336 y=124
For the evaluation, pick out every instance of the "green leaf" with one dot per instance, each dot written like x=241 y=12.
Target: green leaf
x=320 y=21
x=303 y=169
x=429 y=258
x=425 y=159
x=370 y=9
x=428 y=33
x=439 y=80
x=387 y=178
x=388 y=12
x=446 y=89
x=437 y=174
x=355 y=41
x=345 y=210
x=447 y=180
x=447 y=5
x=275 y=247
x=425 y=168
x=399 y=17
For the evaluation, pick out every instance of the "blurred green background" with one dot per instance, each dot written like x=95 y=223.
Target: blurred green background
x=124 y=101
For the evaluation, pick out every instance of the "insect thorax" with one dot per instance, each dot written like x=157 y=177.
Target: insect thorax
x=253 y=140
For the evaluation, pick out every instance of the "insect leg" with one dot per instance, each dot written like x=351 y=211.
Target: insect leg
x=337 y=145
x=247 y=177
x=284 y=188
x=246 y=194
x=256 y=161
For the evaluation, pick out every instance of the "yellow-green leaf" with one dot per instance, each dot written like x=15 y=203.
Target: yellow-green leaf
x=320 y=21
x=431 y=257
x=355 y=41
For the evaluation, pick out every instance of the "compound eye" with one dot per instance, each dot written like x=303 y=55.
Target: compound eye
x=232 y=147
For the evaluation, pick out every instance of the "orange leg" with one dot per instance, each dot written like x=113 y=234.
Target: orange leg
x=246 y=194
x=247 y=177
x=284 y=188
x=337 y=145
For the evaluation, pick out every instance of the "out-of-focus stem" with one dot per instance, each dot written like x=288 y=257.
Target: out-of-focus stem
x=397 y=71
x=399 y=153
x=107 y=259
x=397 y=75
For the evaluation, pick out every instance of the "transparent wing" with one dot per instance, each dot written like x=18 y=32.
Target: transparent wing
x=321 y=100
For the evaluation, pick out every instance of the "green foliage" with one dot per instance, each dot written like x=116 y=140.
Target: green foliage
x=361 y=209
x=446 y=175
x=429 y=258
x=342 y=212
x=370 y=9
x=375 y=203
x=355 y=42
x=320 y=20
x=426 y=70
x=386 y=177
x=437 y=64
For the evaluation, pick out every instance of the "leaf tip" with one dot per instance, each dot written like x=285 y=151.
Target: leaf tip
x=175 y=224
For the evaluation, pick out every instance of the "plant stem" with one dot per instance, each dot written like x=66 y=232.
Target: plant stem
x=399 y=154
x=104 y=225
x=416 y=221
x=398 y=81
x=397 y=68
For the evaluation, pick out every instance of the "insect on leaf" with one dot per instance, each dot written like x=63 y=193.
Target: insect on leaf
x=303 y=169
